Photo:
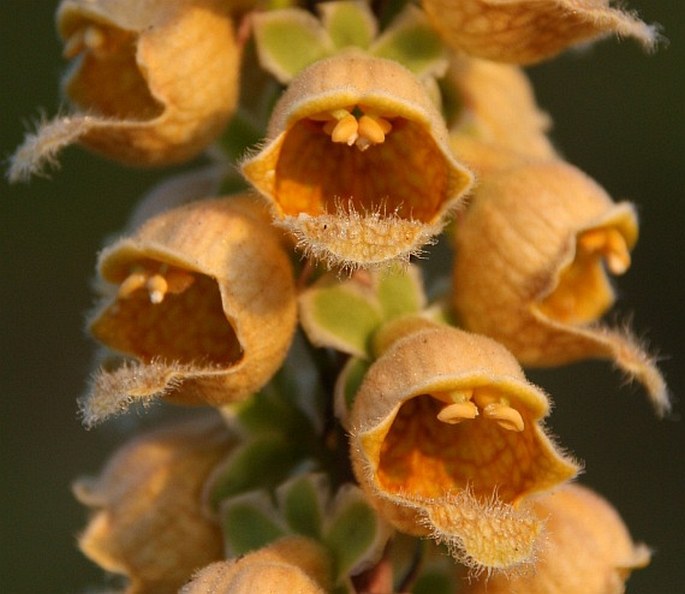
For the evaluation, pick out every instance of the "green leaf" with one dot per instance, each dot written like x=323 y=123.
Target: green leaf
x=288 y=41
x=339 y=316
x=434 y=583
x=400 y=291
x=348 y=23
x=412 y=42
x=301 y=503
x=354 y=531
x=347 y=385
x=249 y=523
x=260 y=463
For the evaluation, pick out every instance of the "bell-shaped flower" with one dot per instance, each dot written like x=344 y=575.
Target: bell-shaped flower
x=202 y=296
x=357 y=163
x=528 y=31
x=148 y=520
x=530 y=270
x=447 y=441
x=588 y=550
x=294 y=564
x=498 y=123
x=152 y=83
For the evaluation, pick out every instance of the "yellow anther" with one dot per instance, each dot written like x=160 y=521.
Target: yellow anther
x=505 y=416
x=610 y=244
x=158 y=287
x=458 y=412
x=94 y=39
x=345 y=130
x=178 y=280
x=132 y=283
x=74 y=45
x=371 y=129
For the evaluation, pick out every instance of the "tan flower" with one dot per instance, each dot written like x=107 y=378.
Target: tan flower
x=530 y=270
x=148 y=522
x=357 y=164
x=499 y=123
x=527 y=31
x=587 y=550
x=293 y=564
x=203 y=297
x=152 y=82
x=447 y=441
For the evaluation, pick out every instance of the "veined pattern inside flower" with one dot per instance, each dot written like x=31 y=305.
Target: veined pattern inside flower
x=106 y=78
x=355 y=158
x=447 y=442
x=162 y=311
x=583 y=293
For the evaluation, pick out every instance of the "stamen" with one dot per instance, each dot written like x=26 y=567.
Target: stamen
x=371 y=129
x=617 y=256
x=158 y=287
x=458 y=412
x=132 y=283
x=178 y=280
x=610 y=244
x=505 y=416
x=94 y=38
x=345 y=130
x=74 y=45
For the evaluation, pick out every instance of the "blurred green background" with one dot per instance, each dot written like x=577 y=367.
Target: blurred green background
x=619 y=115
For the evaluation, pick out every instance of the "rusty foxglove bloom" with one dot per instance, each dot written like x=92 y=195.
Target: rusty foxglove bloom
x=530 y=270
x=152 y=83
x=148 y=521
x=528 y=31
x=357 y=164
x=587 y=549
x=293 y=564
x=499 y=123
x=447 y=441
x=203 y=297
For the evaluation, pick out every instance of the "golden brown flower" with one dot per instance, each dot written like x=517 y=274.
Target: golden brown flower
x=152 y=82
x=357 y=164
x=527 y=31
x=203 y=297
x=531 y=263
x=148 y=521
x=447 y=441
x=587 y=550
x=499 y=123
x=293 y=564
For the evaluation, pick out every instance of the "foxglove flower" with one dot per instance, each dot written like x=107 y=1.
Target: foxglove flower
x=203 y=298
x=528 y=31
x=152 y=83
x=530 y=270
x=447 y=441
x=148 y=520
x=357 y=164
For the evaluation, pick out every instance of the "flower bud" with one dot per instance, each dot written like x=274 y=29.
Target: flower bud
x=587 y=550
x=357 y=164
x=294 y=564
x=447 y=441
x=528 y=31
x=203 y=297
x=152 y=83
x=530 y=270
x=148 y=521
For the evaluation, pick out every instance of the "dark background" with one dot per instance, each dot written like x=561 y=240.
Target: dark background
x=619 y=115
